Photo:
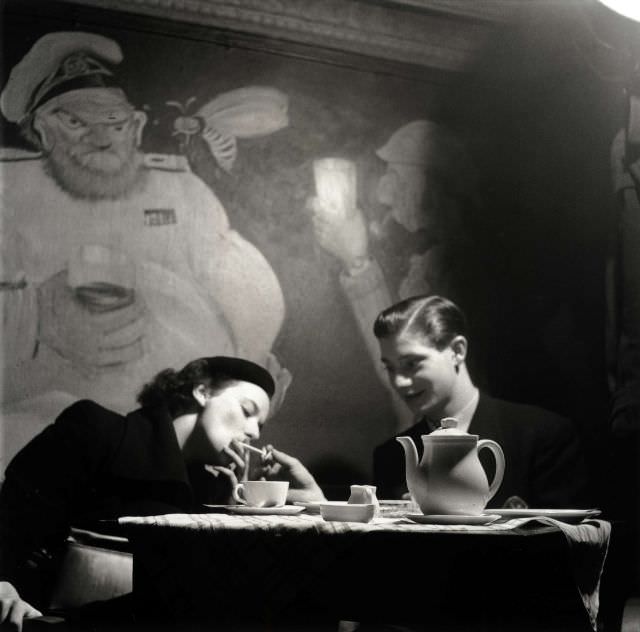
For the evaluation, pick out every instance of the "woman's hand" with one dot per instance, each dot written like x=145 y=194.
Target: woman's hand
x=277 y=465
x=225 y=483
x=13 y=609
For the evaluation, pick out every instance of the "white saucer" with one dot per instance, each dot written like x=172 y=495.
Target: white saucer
x=246 y=510
x=312 y=508
x=452 y=519
x=566 y=515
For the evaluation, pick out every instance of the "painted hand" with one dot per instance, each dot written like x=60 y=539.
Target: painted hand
x=344 y=235
x=91 y=339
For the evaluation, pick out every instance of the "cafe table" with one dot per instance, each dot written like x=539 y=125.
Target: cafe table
x=219 y=571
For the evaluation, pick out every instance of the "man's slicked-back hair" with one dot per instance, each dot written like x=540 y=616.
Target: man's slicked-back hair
x=435 y=318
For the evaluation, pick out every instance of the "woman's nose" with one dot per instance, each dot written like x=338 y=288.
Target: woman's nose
x=252 y=429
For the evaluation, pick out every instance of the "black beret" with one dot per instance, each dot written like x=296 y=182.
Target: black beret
x=240 y=369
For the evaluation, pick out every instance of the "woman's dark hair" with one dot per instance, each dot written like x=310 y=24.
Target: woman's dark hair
x=436 y=318
x=174 y=389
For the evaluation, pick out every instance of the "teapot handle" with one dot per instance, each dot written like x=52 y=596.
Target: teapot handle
x=499 y=457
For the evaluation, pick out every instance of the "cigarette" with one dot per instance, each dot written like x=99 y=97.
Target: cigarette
x=260 y=451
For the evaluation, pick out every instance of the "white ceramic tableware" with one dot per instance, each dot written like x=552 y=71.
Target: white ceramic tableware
x=453 y=519
x=246 y=510
x=261 y=493
x=450 y=479
x=347 y=512
x=311 y=508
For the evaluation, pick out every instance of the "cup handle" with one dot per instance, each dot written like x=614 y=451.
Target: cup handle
x=237 y=494
x=499 y=456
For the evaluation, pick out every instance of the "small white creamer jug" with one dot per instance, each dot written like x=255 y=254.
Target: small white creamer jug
x=364 y=494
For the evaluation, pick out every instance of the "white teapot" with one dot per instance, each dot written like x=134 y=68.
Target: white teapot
x=450 y=478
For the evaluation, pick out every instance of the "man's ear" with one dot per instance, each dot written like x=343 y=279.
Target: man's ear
x=46 y=143
x=459 y=346
x=201 y=394
x=139 y=120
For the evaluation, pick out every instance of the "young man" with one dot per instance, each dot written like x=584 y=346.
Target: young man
x=424 y=347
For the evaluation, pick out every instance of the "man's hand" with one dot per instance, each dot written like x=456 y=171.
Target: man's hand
x=91 y=340
x=344 y=235
x=515 y=502
x=13 y=609
x=277 y=465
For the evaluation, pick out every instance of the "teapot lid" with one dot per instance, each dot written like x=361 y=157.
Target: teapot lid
x=448 y=426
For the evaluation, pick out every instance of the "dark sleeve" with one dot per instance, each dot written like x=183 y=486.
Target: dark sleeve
x=560 y=476
x=389 y=463
x=44 y=487
x=389 y=471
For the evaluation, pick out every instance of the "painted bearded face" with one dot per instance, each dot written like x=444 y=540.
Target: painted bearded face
x=402 y=189
x=91 y=141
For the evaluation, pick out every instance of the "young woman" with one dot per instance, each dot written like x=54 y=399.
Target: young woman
x=180 y=449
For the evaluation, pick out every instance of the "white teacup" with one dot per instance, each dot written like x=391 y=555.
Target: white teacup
x=261 y=493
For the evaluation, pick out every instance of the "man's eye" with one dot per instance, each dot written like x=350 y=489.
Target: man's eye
x=70 y=121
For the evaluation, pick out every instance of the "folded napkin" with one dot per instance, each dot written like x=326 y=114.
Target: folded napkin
x=588 y=543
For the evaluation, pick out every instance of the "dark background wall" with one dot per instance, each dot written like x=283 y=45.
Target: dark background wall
x=544 y=107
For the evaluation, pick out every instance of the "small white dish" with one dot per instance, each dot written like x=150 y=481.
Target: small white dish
x=339 y=511
x=247 y=510
x=453 y=519
x=565 y=515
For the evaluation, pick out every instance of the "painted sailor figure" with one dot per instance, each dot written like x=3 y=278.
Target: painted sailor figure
x=115 y=263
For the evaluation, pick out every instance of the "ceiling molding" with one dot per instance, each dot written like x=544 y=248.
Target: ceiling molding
x=419 y=32
x=483 y=10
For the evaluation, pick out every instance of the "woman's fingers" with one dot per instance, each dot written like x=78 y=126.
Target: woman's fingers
x=216 y=470
x=16 y=613
x=234 y=451
x=13 y=609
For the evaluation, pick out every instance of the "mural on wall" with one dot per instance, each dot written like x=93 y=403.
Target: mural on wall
x=124 y=263
x=214 y=201
x=411 y=154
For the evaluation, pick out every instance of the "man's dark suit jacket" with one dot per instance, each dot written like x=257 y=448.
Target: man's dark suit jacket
x=544 y=461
